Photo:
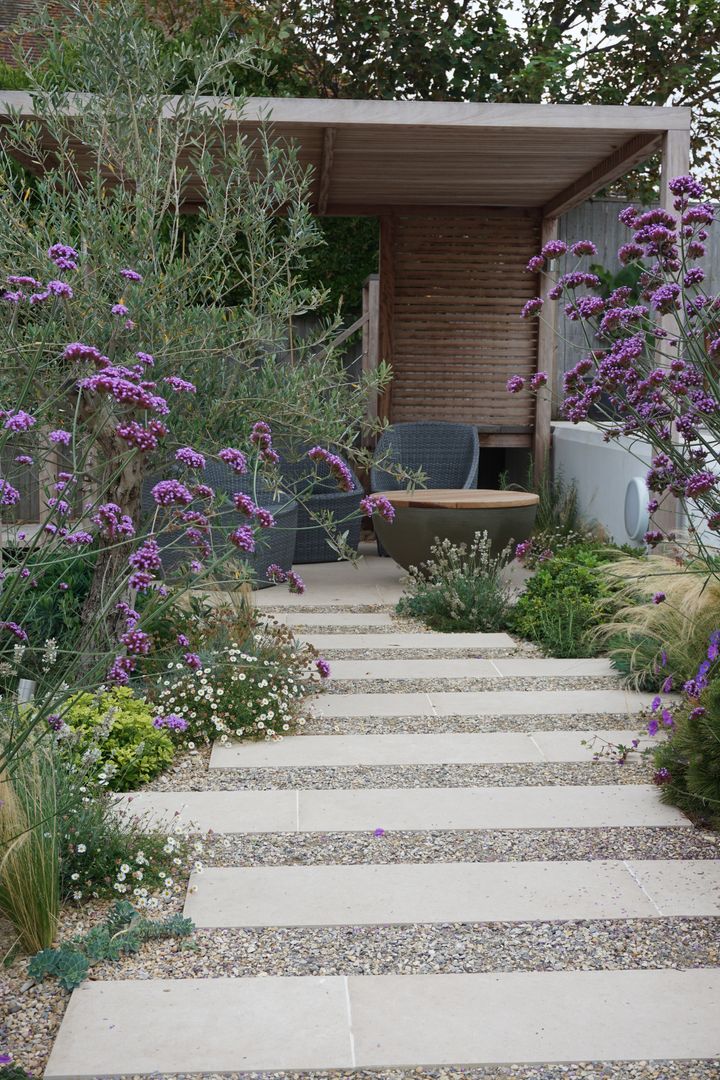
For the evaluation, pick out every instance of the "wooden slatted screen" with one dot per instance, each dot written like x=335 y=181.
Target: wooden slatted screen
x=458 y=285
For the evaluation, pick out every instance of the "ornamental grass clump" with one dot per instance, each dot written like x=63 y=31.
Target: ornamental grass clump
x=688 y=764
x=460 y=588
x=29 y=847
x=667 y=611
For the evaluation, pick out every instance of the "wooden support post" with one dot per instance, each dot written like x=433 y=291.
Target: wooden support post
x=326 y=164
x=675 y=162
x=546 y=359
x=387 y=304
x=371 y=336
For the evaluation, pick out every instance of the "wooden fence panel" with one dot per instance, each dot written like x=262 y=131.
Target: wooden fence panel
x=459 y=285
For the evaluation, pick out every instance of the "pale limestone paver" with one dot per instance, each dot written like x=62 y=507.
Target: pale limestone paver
x=467 y=668
x=480 y=748
x=450 y=892
x=405 y=640
x=378 y=1021
x=342 y=584
x=500 y=703
x=221 y=811
x=323 y=620
x=202 y=1025
x=535 y=1017
x=363 y=810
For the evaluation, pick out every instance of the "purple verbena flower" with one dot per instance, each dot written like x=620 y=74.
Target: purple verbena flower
x=538 y=380
x=112 y=523
x=323 y=667
x=583 y=247
x=15 y=629
x=180 y=386
x=19 y=421
x=9 y=496
x=378 y=504
x=515 y=384
x=61 y=437
x=554 y=249
x=243 y=538
x=171 y=493
x=130 y=275
x=193 y=661
x=532 y=307
x=119 y=309
x=190 y=457
x=276 y=574
x=147 y=557
x=137 y=642
x=295 y=582
x=59 y=288
x=235 y=459
x=658 y=598
x=173 y=721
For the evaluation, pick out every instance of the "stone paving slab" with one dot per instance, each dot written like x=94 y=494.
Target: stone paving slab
x=341 y=584
x=202 y=1025
x=325 y=619
x=406 y=640
x=376 y=1021
x=413 y=893
x=407 y=749
x=467 y=668
x=392 y=809
x=500 y=703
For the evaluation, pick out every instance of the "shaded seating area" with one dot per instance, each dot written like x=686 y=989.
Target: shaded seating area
x=447 y=453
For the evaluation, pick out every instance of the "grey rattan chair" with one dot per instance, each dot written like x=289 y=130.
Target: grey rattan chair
x=324 y=496
x=447 y=453
x=275 y=545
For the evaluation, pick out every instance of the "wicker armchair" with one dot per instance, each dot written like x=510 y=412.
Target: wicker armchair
x=447 y=453
x=275 y=545
x=311 y=542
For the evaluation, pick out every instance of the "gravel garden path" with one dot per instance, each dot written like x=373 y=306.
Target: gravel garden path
x=434 y=880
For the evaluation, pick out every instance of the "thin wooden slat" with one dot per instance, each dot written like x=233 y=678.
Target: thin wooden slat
x=459 y=287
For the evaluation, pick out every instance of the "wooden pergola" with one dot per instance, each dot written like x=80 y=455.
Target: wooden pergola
x=465 y=193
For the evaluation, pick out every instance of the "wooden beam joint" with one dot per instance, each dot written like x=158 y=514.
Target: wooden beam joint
x=621 y=161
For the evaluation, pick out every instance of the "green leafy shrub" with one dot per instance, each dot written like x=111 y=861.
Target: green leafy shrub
x=564 y=601
x=689 y=762
x=459 y=588
x=123 y=932
x=112 y=734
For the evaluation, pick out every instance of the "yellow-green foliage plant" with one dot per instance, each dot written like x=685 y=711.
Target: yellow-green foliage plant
x=29 y=854
x=112 y=739
x=668 y=611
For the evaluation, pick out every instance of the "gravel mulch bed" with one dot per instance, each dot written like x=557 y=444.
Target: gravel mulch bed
x=429 y=725
x=528 y=683
x=413 y=776
x=582 y=1070
x=476 y=845
x=578 y=945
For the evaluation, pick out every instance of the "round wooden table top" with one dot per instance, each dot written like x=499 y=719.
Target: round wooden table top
x=460 y=498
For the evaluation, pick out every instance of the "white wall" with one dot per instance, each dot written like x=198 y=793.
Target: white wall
x=600 y=471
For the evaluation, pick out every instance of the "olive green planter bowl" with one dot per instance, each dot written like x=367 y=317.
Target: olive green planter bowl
x=423 y=517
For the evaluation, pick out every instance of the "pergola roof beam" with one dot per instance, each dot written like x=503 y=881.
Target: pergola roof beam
x=621 y=161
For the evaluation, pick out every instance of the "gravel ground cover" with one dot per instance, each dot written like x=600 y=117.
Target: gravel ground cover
x=592 y=945
x=593 y=1070
x=472 y=845
x=531 y=774
x=437 y=686
x=428 y=725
